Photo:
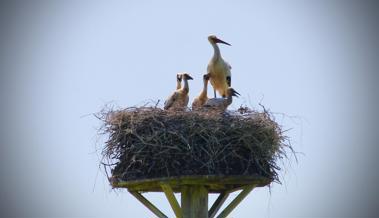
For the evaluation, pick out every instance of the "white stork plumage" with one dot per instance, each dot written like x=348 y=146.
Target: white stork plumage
x=200 y=100
x=221 y=104
x=218 y=69
x=179 y=99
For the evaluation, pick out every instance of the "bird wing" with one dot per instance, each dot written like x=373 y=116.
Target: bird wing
x=228 y=74
x=196 y=103
x=214 y=102
x=229 y=66
x=229 y=80
x=218 y=104
x=171 y=100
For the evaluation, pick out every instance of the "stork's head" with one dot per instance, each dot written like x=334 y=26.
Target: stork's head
x=213 y=40
x=186 y=76
x=232 y=92
x=206 y=77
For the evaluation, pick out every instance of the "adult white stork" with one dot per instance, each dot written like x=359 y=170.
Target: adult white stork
x=200 y=100
x=179 y=99
x=221 y=104
x=218 y=69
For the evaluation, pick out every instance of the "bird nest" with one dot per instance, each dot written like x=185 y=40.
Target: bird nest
x=149 y=143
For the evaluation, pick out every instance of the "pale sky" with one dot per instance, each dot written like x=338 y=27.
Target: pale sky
x=315 y=61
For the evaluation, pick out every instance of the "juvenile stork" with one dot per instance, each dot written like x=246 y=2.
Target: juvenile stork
x=221 y=104
x=218 y=69
x=179 y=99
x=200 y=100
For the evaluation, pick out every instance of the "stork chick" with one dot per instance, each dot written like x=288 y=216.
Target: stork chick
x=179 y=99
x=218 y=69
x=222 y=104
x=200 y=100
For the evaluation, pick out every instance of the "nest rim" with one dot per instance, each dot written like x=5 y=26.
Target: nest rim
x=213 y=183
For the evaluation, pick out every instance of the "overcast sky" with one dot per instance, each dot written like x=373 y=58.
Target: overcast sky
x=315 y=61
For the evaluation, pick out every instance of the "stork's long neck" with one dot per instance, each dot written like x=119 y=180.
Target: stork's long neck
x=229 y=100
x=178 y=84
x=205 y=88
x=217 y=53
x=185 y=87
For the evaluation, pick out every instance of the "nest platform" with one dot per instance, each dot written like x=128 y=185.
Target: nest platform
x=193 y=153
x=214 y=184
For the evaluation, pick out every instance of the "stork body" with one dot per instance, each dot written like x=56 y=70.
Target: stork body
x=179 y=99
x=200 y=100
x=221 y=104
x=218 y=69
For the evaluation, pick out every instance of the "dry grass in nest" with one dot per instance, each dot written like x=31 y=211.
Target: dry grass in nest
x=148 y=142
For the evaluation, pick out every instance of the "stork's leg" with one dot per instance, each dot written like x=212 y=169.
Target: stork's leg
x=214 y=90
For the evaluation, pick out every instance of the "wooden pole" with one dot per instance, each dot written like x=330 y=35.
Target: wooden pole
x=148 y=204
x=172 y=200
x=194 y=193
x=194 y=201
x=217 y=204
x=236 y=201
